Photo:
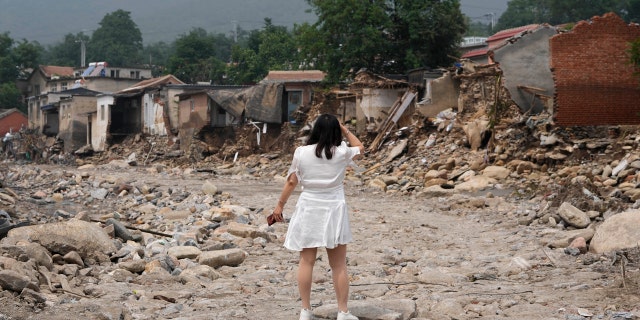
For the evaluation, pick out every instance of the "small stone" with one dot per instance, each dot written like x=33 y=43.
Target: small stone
x=184 y=252
x=57 y=197
x=73 y=257
x=13 y=281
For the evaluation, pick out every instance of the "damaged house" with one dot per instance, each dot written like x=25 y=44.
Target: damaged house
x=484 y=55
x=524 y=62
x=209 y=110
x=142 y=108
x=61 y=101
x=220 y=111
x=598 y=86
x=298 y=89
x=215 y=114
x=380 y=100
x=437 y=90
x=43 y=83
x=541 y=69
x=75 y=109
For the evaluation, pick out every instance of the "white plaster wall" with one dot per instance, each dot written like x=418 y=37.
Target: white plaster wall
x=153 y=116
x=375 y=102
x=101 y=123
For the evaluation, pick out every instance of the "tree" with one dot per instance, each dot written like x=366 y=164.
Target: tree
x=429 y=30
x=10 y=97
x=117 y=41
x=68 y=52
x=197 y=57
x=158 y=56
x=271 y=48
x=27 y=56
x=8 y=70
x=348 y=34
x=554 y=12
x=277 y=49
x=15 y=60
x=384 y=36
x=243 y=66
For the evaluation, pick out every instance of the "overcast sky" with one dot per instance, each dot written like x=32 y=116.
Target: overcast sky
x=477 y=9
x=49 y=21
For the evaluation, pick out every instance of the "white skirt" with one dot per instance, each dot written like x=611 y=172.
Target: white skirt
x=320 y=219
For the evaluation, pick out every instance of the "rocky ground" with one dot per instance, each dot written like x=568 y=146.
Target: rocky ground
x=464 y=216
x=437 y=253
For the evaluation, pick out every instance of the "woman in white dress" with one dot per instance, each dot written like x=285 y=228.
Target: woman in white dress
x=321 y=218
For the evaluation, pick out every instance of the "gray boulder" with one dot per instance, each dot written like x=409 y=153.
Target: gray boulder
x=88 y=239
x=13 y=281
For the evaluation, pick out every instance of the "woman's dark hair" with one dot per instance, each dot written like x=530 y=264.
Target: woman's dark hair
x=326 y=133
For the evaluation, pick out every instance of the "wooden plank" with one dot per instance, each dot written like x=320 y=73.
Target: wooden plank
x=396 y=112
x=403 y=107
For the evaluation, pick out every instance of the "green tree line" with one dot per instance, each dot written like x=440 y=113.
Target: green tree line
x=555 y=12
x=378 y=35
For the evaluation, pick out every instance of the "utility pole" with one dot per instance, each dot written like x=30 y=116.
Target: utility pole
x=235 y=31
x=83 y=52
x=492 y=15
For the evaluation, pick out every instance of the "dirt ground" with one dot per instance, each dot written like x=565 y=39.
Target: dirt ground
x=463 y=256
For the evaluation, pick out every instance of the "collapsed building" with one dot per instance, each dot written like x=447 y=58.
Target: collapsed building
x=529 y=75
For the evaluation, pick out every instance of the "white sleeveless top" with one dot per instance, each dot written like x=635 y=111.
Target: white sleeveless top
x=321 y=218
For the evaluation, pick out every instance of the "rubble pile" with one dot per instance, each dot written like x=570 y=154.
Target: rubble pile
x=146 y=233
x=487 y=144
x=159 y=232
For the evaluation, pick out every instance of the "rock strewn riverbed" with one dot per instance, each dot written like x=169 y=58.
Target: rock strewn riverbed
x=437 y=254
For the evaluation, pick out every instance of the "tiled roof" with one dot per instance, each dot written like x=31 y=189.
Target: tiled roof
x=80 y=91
x=6 y=112
x=508 y=33
x=295 y=76
x=475 y=53
x=50 y=71
x=168 y=79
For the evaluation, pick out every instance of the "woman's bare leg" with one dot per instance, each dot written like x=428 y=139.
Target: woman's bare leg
x=305 y=275
x=338 y=263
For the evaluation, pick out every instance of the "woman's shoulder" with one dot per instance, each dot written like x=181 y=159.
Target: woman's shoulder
x=303 y=149
x=306 y=147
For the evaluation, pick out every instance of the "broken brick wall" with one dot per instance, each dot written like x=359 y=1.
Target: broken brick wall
x=594 y=80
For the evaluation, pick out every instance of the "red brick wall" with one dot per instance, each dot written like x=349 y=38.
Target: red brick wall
x=13 y=121
x=594 y=81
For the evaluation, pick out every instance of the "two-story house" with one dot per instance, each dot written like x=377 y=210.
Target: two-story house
x=45 y=82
